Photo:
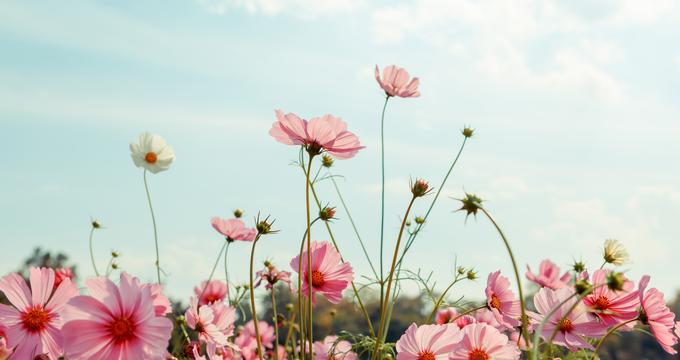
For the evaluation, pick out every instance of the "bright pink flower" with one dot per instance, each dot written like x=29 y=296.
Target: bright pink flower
x=611 y=307
x=428 y=342
x=395 y=82
x=572 y=328
x=330 y=276
x=548 y=275
x=329 y=349
x=214 y=323
x=115 y=322
x=161 y=304
x=482 y=342
x=655 y=313
x=233 y=229
x=445 y=316
x=62 y=273
x=501 y=300
x=34 y=321
x=210 y=292
x=271 y=275
x=327 y=133
x=247 y=341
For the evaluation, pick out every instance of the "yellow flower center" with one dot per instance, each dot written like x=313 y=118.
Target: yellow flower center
x=151 y=157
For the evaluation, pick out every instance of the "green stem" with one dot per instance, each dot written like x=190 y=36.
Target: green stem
x=382 y=199
x=94 y=264
x=466 y=312
x=276 y=325
x=212 y=272
x=303 y=337
x=439 y=301
x=611 y=331
x=226 y=271
x=155 y=231
x=252 y=299
x=310 y=330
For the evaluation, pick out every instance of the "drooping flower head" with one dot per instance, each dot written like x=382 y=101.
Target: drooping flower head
x=233 y=229
x=397 y=82
x=323 y=134
x=614 y=253
x=271 y=275
x=330 y=348
x=610 y=306
x=548 y=275
x=33 y=323
x=152 y=153
x=210 y=292
x=115 y=322
x=502 y=301
x=330 y=276
x=573 y=327
x=428 y=342
x=214 y=323
x=655 y=313
x=483 y=342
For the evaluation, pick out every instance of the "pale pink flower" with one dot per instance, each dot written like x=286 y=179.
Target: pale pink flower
x=396 y=82
x=655 y=313
x=210 y=292
x=60 y=274
x=487 y=316
x=247 y=341
x=573 y=328
x=214 y=323
x=327 y=133
x=548 y=275
x=428 y=342
x=161 y=304
x=612 y=307
x=330 y=349
x=271 y=275
x=33 y=323
x=330 y=276
x=115 y=322
x=233 y=229
x=482 y=342
x=445 y=316
x=502 y=301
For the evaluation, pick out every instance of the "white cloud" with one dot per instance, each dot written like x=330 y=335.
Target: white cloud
x=300 y=8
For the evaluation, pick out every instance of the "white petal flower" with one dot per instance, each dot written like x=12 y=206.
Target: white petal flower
x=152 y=153
x=615 y=253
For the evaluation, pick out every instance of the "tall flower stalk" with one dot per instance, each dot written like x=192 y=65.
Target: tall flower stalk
x=310 y=330
x=382 y=201
x=252 y=298
x=95 y=225
x=155 y=230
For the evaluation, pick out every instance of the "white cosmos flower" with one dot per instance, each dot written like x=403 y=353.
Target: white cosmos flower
x=615 y=253
x=152 y=153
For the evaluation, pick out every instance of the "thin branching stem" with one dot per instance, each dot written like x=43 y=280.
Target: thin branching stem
x=252 y=298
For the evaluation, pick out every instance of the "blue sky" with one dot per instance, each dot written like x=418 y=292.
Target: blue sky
x=575 y=106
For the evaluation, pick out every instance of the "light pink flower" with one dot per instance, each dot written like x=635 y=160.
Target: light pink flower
x=395 y=82
x=34 y=322
x=329 y=349
x=115 y=322
x=502 y=301
x=572 y=328
x=60 y=274
x=330 y=276
x=487 y=316
x=271 y=275
x=233 y=229
x=482 y=342
x=428 y=342
x=612 y=307
x=327 y=133
x=214 y=323
x=548 y=275
x=445 y=316
x=210 y=292
x=161 y=304
x=655 y=313
x=247 y=341
x=5 y=351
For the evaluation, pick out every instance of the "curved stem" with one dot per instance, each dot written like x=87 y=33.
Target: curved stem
x=466 y=312
x=252 y=299
x=226 y=271
x=390 y=277
x=522 y=302
x=212 y=272
x=382 y=198
x=155 y=231
x=611 y=331
x=276 y=324
x=310 y=330
x=439 y=301
x=94 y=264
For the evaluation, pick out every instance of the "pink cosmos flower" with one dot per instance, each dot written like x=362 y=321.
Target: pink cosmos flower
x=34 y=322
x=60 y=274
x=572 y=328
x=329 y=349
x=445 y=316
x=428 y=342
x=247 y=341
x=548 y=275
x=327 y=133
x=611 y=307
x=161 y=304
x=280 y=352
x=482 y=342
x=271 y=275
x=233 y=229
x=501 y=300
x=210 y=292
x=330 y=276
x=395 y=82
x=214 y=323
x=115 y=322
x=487 y=316
x=655 y=313
x=5 y=351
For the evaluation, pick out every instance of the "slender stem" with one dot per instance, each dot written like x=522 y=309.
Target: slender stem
x=155 y=231
x=303 y=337
x=382 y=199
x=291 y=326
x=276 y=324
x=252 y=299
x=525 y=334
x=109 y=269
x=94 y=264
x=310 y=330
x=439 y=301
x=611 y=331
x=212 y=272
x=390 y=277
x=226 y=271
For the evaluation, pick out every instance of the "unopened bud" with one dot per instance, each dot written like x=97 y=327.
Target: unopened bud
x=326 y=161
x=419 y=220
x=471 y=275
x=420 y=188
x=327 y=213
x=238 y=213
x=582 y=287
x=615 y=281
x=468 y=132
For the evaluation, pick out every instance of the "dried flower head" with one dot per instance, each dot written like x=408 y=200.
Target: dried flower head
x=615 y=253
x=468 y=132
x=420 y=188
x=264 y=226
x=470 y=204
x=579 y=267
x=327 y=160
x=327 y=213
x=238 y=213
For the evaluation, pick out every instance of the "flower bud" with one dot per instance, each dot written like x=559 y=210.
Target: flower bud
x=470 y=204
x=114 y=254
x=420 y=188
x=114 y=266
x=579 y=267
x=326 y=160
x=461 y=270
x=468 y=132
x=238 y=213
x=181 y=320
x=471 y=274
x=419 y=220
x=290 y=307
x=96 y=224
x=616 y=281
x=327 y=213
x=582 y=287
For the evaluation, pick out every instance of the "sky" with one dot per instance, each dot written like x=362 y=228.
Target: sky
x=575 y=106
